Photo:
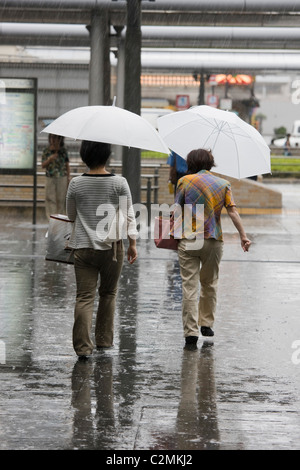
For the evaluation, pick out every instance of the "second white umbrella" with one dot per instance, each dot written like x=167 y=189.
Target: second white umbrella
x=238 y=148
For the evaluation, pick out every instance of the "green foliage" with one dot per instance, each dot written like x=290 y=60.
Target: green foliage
x=280 y=132
x=147 y=154
x=285 y=165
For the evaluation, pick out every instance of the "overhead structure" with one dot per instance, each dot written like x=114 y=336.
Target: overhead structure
x=156 y=12
x=220 y=24
x=222 y=37
x=221 y=61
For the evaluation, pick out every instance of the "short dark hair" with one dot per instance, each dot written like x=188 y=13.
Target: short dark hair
x=94 y=154
x=200 y=159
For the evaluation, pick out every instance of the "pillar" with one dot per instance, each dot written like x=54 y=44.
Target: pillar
x=99 y=77
x=131 y=166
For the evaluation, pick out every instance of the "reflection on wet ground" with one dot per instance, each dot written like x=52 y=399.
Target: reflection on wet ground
x=239 y=390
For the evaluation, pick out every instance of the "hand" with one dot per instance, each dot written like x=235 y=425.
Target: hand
x=53 y=157
x=245 y=242
x=131 y=254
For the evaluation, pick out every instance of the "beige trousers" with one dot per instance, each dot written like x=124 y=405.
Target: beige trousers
x=55 y=197
x=89 y=265
x=199 y=265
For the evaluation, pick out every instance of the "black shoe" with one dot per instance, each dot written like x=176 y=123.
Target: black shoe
x=191 y=339
x=206 y=331
x=83 y=357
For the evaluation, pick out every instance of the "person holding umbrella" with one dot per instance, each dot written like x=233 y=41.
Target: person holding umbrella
x=89 y=197
x=178 y=168
x=201 y=187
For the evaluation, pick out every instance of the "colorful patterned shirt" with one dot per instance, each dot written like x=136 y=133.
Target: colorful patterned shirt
x=58 y=167
x=212 y=192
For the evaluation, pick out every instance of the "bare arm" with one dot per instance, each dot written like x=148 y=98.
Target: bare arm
x=235 y=217
x=132 y=251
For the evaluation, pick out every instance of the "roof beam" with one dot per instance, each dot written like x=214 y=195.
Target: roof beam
x=158 y=12
x=154 y=36
x=160 y=5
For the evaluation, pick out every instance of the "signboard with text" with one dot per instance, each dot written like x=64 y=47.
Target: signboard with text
x=18 y=125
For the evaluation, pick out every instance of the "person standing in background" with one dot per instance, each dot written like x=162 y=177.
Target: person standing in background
x=287 y=146
x=178 y=168
x=55 y=161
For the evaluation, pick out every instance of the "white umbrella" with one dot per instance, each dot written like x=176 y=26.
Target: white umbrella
x=108 y=124
x=239 y=150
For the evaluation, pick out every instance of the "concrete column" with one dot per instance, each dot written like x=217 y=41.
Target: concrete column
x=132 y=98
x=201 y=89
x=99 y=78
x=118 y=150
x=120 y=69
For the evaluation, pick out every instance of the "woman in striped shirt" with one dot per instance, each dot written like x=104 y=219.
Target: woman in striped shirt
x=94 y=200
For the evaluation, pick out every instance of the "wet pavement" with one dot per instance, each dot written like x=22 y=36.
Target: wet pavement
x=238 y=391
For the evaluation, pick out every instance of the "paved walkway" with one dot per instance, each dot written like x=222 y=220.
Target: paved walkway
x=238 y=391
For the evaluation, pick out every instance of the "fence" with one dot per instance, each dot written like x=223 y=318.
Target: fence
x=18 y=190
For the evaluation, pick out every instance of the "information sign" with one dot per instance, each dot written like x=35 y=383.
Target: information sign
x=17 y=125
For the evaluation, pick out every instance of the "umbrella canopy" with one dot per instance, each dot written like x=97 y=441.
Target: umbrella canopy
x=108 y=124
x=239 y=150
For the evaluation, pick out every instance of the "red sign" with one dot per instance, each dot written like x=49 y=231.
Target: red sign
x=212 y=80
x=182 y=101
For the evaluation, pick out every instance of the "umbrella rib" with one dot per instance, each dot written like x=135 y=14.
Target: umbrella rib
x=217 y=130
x=208 y=137
x=236 y=150
x=230 y=134
x=214 y=129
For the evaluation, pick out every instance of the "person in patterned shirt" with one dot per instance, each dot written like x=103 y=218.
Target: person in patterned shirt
x=201 y=187
x=55 y=161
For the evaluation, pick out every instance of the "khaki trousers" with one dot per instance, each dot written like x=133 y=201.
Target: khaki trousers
x=89 y=264
x=199 y=265
x=55 y=197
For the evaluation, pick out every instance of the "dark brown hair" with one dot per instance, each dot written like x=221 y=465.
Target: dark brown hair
x=200 y=159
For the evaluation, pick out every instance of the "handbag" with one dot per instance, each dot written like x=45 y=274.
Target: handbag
x=58 y=235
x=162 y=237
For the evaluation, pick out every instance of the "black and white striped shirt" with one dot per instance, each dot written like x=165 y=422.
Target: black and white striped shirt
x=89 y=197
